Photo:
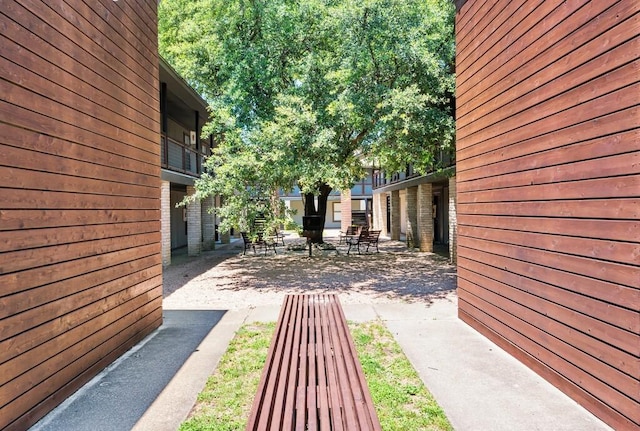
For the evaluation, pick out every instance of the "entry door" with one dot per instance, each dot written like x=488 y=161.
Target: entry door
x=388 y=213
x=178 y=220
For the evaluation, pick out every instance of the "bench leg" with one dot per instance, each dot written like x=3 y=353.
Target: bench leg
x=267 y=246
x=349 y=249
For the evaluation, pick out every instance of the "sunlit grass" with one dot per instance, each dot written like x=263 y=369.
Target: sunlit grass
x=401 y=399
x=225 y=402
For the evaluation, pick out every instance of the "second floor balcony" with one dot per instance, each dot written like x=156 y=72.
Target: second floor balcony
x=180 y=157
x=445 y=159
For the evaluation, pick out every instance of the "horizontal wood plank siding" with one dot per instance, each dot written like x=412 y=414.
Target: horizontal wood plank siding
x=80 y=261
x=548 y=183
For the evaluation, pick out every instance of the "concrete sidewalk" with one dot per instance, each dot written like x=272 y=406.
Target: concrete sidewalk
x=479 y=386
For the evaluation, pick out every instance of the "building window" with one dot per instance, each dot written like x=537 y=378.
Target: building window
x=337 y=213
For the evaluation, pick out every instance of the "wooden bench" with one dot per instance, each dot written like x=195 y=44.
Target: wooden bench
x=279 y=236
x=351 y=231
x=366 y=237
x=260 y=241
x=312 y=379
x=260 y=226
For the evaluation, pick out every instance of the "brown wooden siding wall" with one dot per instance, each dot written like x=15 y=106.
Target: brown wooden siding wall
x=548 y=178
x=80 y=265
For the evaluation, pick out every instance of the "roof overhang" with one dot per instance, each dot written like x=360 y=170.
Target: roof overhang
x=434 y=177
x=182 y=100
x=177 y=177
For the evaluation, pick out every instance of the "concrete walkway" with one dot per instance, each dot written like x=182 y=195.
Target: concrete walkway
x=479 y=386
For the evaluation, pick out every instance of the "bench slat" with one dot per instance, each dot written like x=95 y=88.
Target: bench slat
x=322 y=390
x=336 y=410
x=356 y=416
x=342 y=375
x=366 y=237
x=312 y=379
x=263 y=401
x=282 y=376
x=285 y=395
x=366 y=410
x=303 y=372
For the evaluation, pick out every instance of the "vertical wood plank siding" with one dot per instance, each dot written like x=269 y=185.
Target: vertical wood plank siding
x=548 y=180
x=80 y=264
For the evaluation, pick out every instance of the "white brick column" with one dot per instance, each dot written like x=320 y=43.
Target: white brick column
x=425 y=216
x=395 y=215
x=413 y=240
x=208 y=224
x=383 y=214
x=165 y=222
x=377 y=214
x=194 y=225
x=375 y=223
x=453 y=221
x=345 y=210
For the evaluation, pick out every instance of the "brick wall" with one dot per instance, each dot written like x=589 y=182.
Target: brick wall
x=208 y=224
x=425 y=216
x=345 y=208
x=194 y=225
x=413 y=240
x=376 y=212
x=165 y=222
x=380 y=213
x=395 y=215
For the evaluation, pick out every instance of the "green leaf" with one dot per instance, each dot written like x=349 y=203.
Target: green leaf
x=304 y=93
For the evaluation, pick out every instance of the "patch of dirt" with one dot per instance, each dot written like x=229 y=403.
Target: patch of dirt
x=225 y=279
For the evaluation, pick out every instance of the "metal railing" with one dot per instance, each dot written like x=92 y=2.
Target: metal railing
x=445 y=159
x=179 y=157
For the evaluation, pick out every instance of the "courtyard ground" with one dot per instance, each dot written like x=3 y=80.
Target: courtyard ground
x=225 y=279
x=207 y=298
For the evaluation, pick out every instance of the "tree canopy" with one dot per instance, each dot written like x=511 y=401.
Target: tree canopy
x=303 y=92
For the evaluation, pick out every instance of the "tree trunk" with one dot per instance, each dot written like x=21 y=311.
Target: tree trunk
x=311 y=210
x=322 y=202
x=309 y=204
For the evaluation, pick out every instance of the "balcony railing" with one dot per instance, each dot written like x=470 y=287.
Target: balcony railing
x=445 y=159
x=361 y=188
x=179 y=157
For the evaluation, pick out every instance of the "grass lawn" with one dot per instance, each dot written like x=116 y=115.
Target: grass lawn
x=402 y=401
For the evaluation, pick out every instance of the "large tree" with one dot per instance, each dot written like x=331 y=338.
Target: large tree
x=304 y=92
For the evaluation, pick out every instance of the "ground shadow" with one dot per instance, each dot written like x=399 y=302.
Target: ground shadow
x=395 y=272
x=118 y=397
x=185 y=268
